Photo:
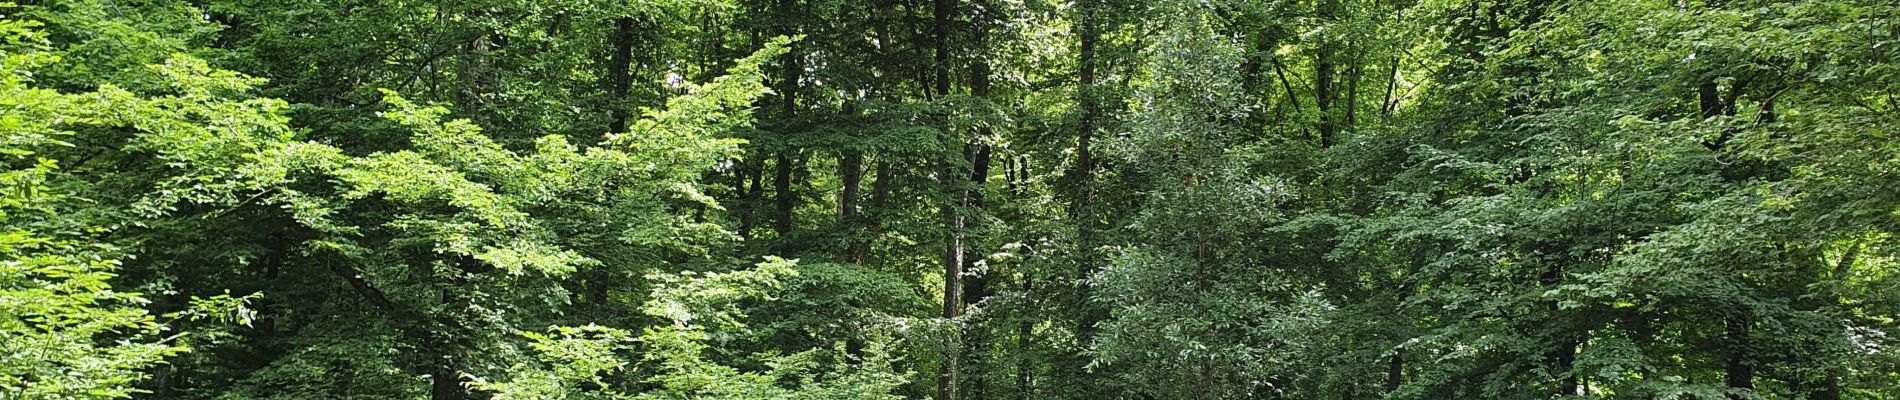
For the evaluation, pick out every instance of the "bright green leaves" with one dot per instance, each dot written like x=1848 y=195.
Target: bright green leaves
x=453 y=165
x=408 y=177
x=68 y=333
x=696 y=125
x=697 y=311
x=576 y=359
x=65 y=332
x=703 y=307
x=694 y=300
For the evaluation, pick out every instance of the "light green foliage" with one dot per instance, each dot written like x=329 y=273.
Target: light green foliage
x=577 y=359
x=692 y=309
x=696 y=309
x=65 y=332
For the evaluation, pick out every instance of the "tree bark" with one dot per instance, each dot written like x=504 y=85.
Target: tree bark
x=446 y=383
x=880 y=194
x=619 y=74
x=1323 y=74
x=785 y=201
x=947 y=381
x=952 y=288
x=977 y=153
x=1394 y=373
x=1738 y=373
x=851 y=172
x=1566 y=362
x=1083 y=173
x=752 y=188
x=1353 y=74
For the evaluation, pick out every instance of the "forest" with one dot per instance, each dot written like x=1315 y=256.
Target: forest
x=949 y=199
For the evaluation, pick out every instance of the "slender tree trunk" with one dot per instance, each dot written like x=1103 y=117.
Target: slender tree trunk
x=945 y=9
x=446 y=383
x=974 y=287
x=1323 y=75
x=619 y=74
x=851 y=172
x=1830 y=387
x=754 y=194
x=851 y=169
x=977 y=152
x=883 y=182
x=1082 y=183
x=1388 y=105
x=947 y=381
x=952 y=291
x=1394 y=373
x=1025 y=331
x=1738 y=373
x=785 y=201
x=1352 y=92
x=1566 y=362
x=1084 y=169
x=1292 y=97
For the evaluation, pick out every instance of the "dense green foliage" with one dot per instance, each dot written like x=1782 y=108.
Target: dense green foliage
x=950 y=199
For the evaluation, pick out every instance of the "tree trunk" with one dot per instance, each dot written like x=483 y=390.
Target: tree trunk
x=1084 y=170
x=1566 y=362
x=1353 y=74
x=977 y=152
x=785 y=201
x=446 y=383
x=974 y=287
x=783 y=198
x=851 y=172
x=880 y=195
x=953 y=218
x=1025 y=333
x=619 y=74
x=1323 y=72
x=1830 y=387
x=952 y=290
x=752 y=195
x=1738 y=373
x=1394 y=373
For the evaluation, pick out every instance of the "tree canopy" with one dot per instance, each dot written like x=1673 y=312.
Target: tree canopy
x=949 y=199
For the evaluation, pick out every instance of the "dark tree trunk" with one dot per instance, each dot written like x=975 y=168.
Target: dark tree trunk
x=1394 y=373
x=1830 y=387
x=944 y=11
x=785 y=201
x=1738 y=373
x=1084 y=170
x=1025 y=334
x=1566 y=361
x=952 y=287
x=1323 y=72
x=947 y=381
x=974 y=286
x=851 y=172
x=977 y=153
x=880 y=194
x=752 y=184
x=619 y=74
x=1353 y=74
x=446 y=383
